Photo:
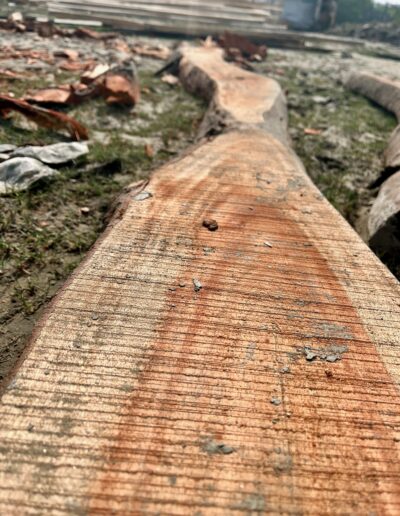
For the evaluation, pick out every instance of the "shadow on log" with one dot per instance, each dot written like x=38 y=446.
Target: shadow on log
x=249 y=369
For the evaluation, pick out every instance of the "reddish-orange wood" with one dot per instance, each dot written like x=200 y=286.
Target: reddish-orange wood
x=248 y=370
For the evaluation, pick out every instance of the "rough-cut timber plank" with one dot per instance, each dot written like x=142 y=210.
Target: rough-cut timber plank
x=238 y=99
x=141 y=395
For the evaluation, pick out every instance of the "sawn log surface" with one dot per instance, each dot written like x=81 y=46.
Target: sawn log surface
x=250 y=370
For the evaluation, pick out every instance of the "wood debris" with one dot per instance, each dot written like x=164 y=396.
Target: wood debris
x=156 y=52
x=43 y=117
x=309 y=131
x=83 y=32
x=119 y=85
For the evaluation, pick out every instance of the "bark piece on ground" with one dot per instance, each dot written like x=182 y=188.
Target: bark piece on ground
x=83 y=32
x=44 y=117
x=120 y=86
x=77 y=66
x=91 y=75
x=47 y=96
x=67 y=53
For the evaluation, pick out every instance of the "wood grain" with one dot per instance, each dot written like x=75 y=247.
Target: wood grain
x=141 y=395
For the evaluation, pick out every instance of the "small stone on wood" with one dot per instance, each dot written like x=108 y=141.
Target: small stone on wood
x=210 y=224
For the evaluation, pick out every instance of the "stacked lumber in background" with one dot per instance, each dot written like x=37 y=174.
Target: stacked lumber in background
x=254 y=369
x=260 y=22
x=173 y=16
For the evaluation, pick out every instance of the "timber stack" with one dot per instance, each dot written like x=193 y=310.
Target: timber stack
x=261 y=22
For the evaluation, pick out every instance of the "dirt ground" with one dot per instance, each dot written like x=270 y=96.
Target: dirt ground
x=44 y=233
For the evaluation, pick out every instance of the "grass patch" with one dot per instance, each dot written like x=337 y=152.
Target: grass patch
x=347 y=155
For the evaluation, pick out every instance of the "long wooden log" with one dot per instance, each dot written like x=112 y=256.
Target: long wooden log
x=384 y=218
x=380 y=90
x=248 y=370
x=385 y=93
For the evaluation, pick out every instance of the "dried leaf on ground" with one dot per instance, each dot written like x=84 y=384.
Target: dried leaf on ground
x=312 y=132
x=43 y=117
x=149 y=150
x=156 y=52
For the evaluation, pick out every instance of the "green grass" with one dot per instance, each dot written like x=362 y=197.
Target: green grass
x=341 y=171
